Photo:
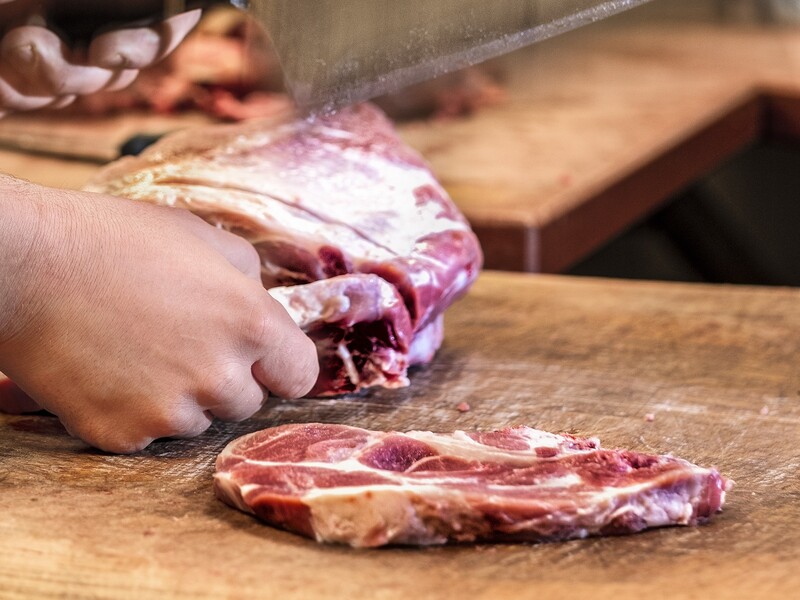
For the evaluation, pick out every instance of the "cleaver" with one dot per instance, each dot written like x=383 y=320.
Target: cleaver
x=337 y=52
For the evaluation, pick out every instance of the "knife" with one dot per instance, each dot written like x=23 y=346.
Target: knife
x=338 y=52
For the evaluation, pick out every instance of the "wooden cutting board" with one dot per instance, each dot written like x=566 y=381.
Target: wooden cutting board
x=717 y=367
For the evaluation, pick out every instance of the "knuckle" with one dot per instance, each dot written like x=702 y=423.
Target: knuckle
x=251 y=258
x=246 y=249
x=259 y=323
x=309 y=361
x=296 y=389
x=244 y=254
x=224 y=384
x=306 y=374
x=190 y=425
x=164 y=423
x=233 y=395
x=240 y=413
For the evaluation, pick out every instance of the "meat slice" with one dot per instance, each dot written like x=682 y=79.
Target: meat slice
x=366 y=488
x=320 y=198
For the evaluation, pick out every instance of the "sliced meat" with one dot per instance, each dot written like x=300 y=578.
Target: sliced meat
x=319 y=198
x=343 y=484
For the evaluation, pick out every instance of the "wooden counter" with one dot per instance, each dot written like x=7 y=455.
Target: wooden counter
x=717 y=367
x=603 y=125
x=600 y=127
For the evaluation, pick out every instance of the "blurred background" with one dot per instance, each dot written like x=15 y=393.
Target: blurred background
x=739 y=224
x=730 y=10
x=552 y=123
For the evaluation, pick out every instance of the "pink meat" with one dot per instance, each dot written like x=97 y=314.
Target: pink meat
x=320 y=198
x=361 y=329
x=347 y=485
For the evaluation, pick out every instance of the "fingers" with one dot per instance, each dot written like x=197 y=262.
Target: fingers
x=181 y=420
x=287 y=363
x=38 y=70
x=44 y=67
x=125 y=48
x=13 y=100
x=139 y=47
x=237 y=396
x=191 y=425
x=238 y=251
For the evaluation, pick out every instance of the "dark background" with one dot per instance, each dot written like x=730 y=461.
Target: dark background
x=739 y=225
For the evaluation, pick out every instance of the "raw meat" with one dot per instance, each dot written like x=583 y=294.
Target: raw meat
x=347 y=485
x=319 y=199
x=361 y=329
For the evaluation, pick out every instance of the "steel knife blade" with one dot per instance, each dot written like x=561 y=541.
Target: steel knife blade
x=337 y=52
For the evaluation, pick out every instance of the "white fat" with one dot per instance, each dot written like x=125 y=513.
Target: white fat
x=565 y=481
x=349 y=366
x=460 y=444
x=231 y=491
x=373 y=517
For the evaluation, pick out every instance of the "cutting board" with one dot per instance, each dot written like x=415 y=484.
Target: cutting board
x=93 y=139
x=716 y=367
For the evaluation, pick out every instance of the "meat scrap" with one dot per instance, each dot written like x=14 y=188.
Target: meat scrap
x=322 y=199
x=341 y=484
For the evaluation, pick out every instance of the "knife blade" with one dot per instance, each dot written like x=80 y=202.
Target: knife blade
x=338 y=52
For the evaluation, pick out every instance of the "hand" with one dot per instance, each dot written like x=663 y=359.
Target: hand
x=132 y=322
x=38 y=70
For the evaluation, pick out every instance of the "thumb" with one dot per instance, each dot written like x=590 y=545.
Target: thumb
x=286 y=361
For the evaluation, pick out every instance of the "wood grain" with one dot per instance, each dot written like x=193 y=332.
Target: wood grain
x=716 y=366
x=94 y=139
x=46 y=170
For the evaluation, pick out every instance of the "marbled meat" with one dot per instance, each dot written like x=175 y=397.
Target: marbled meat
x=336 y=483
x=323 y=198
